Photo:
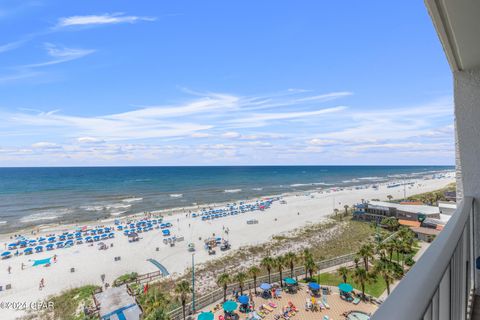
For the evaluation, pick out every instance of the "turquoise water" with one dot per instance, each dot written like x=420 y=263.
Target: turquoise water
x=32 y=196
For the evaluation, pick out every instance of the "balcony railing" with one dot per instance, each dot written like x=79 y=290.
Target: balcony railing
x=441 y=283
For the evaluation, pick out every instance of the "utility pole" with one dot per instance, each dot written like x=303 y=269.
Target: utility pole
x=193 y=282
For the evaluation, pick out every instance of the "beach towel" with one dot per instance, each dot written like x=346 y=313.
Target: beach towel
x=356 y=301
x=325 y=303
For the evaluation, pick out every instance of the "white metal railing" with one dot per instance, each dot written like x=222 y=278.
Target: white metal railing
x=440 y=284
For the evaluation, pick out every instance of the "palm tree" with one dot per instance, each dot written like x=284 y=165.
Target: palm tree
x=306 y=257
x=346 y=209
x=311 y=266
x=267 y=263
x=335 y=211
x=390 y=197
x=362 y=277
x=240 y=278
x=223 y=281
x=343 y=272
x=153 y=300
x=290 y=260
x=182 y=289
x=385 y=269
x=356 y=260
x=254 y=271
x=366 y=252
x=279 y=264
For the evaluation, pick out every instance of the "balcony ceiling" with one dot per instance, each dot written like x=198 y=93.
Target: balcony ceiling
x=458 y=25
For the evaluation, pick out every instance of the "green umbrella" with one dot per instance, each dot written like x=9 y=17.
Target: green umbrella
x=290 y=281
x=230 y=306
x=205 y=316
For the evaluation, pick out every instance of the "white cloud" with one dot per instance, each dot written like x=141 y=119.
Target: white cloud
x=60 y=55
x=45 y=145
x=231 y=135
x=213 y=126
x=107 y=18
x=89 y=140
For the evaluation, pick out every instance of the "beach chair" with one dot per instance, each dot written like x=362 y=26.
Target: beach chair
x=321 y=305
x=272 y=304
x=326 y=317
x=267 y=307
x=325 y=303
x=356 y=301
x=220 y=317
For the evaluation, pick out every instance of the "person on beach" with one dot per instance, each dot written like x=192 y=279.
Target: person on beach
x=54 y=258
x=41 y=284
x=23 y=266
x=9 y=270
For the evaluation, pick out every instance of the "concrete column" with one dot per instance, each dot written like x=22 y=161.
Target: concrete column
x=467 y=120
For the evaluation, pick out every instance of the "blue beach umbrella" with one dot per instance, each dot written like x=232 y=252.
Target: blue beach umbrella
x=265 y=286
x=41 y=239
x=6 y=253
x=51 y=239
x=39 y=248
x=314 y=286
x=28 y=250
x=290 y=281
x=205 y=316
x=96 y=238
x=243 y=299
x=345 y=287
x=230 y=306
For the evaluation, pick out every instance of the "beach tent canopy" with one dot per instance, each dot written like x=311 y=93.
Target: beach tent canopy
x=205 y=316
x=243 y=299
x=6 y=253
x=265 y=286
x=345 y=287
x=314 y=286
x=38 y=247
x=230 y=306
x=290 y=281
x=41 y=262
x=28 y=250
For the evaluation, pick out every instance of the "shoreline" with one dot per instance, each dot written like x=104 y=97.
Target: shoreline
x=177 y=210
x=301 y=209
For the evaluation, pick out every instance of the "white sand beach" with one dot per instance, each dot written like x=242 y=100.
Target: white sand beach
x=90 y=263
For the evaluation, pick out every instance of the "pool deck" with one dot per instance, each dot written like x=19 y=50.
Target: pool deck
x=338 y=307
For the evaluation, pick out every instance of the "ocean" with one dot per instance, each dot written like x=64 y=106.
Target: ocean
x=33 y=196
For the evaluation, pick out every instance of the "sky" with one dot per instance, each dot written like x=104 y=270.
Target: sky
x=87 y=83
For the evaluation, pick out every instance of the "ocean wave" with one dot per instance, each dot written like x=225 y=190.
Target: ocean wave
x=309 y=184
x=176 y=195
x=257 y=189
x=371 y=178
x=93 y=208
x=132 y=200
x=3 y=222
x=350 y=181
x=232 y=190
x=114 y=214
x=45 y=216
x=117 y=206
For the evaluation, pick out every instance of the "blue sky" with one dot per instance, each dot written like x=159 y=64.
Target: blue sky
x=222 y=82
